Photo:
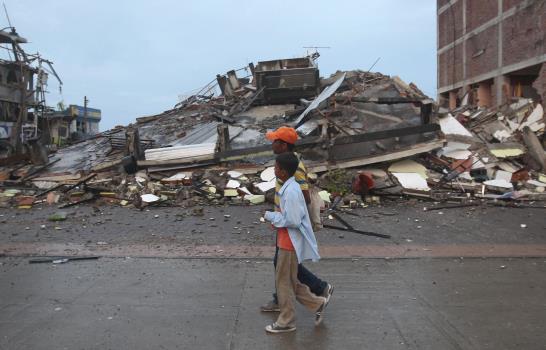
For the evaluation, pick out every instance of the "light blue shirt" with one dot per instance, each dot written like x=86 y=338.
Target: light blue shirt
x=295 y=218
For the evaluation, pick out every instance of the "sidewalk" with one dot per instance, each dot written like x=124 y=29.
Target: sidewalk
x=213 y=304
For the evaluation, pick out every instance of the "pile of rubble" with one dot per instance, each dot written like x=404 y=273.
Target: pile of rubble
x=364 y=136
x=496 y=153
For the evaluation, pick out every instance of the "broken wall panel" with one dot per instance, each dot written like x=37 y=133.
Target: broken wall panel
x=287 y=80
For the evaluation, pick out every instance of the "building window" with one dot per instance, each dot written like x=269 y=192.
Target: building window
x=62 y=131
x=12 y=77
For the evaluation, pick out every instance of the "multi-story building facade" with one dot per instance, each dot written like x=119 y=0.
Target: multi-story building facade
x=490 y=51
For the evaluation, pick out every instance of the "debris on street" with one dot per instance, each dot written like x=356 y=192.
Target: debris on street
x=61 y=259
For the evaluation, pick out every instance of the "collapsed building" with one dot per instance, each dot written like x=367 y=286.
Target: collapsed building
x=27 y=125
x=23 y=83
x=364 y=136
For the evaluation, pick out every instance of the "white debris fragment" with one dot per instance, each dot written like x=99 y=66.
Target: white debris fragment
x=268 y=174
x=503 y=175
x=451 y=126
x=255 y=198
x=234 y=174
x=499 y=183
x=233 y=184
x=245 y=190
x=413 y=181
x=149 y=198
x=266 y=186
x=178 y=177
x=325 y=196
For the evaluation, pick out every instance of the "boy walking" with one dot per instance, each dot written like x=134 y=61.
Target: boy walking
x=284 y=139
x=295 y=242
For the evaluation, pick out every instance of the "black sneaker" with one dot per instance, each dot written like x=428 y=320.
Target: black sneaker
x=327 y=293
x=275 y=328
x=271 y=306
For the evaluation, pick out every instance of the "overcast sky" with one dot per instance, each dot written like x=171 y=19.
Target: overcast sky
x=133 y=58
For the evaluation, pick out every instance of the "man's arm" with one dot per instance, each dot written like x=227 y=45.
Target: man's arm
x=301 y=179
x=307 y=196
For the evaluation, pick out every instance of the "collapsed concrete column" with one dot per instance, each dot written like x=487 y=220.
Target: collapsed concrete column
x=453 y=99
x=503 y=90
x=484 y=95
x=536 y=151
x=540 y=83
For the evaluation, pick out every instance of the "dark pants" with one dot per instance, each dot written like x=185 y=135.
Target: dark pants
x=315 y=284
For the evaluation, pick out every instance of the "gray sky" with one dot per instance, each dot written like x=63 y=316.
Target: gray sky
x=133 y=58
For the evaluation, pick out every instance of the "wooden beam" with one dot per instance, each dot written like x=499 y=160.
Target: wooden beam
x=38 y=170
x=146 y=163
x=384 y=134
x=380 y=100
x=416 y=149
x=107 y=165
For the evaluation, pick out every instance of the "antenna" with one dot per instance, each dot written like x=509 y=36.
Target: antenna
x=373 y=65
x=315 y=54
x=7 y=16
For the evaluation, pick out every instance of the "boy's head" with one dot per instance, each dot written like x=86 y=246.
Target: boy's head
x=284 y=139
x=286 y=165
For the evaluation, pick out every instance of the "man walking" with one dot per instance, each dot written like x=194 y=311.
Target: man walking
x=284 y=140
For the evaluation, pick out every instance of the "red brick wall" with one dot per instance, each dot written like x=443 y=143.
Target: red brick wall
x=450 y=24
x=508 y=4
x=486 y=61
x=524 y=33
x=451 y=72
x=441 y=3
x=479 y=12
x=524 y=37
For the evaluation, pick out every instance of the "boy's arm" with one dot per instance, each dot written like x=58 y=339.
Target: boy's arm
x=291 y=215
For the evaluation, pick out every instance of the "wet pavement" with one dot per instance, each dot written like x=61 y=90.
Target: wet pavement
x=128 y=303
x=465 y=278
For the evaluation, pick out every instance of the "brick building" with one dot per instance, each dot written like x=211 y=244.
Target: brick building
x=490 y=51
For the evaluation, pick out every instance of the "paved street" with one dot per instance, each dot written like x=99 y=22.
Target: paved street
x=235 y=231
x=127 y=303
x=466 y=278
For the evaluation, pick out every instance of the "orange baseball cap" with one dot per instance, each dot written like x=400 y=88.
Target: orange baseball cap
x=284 y=133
